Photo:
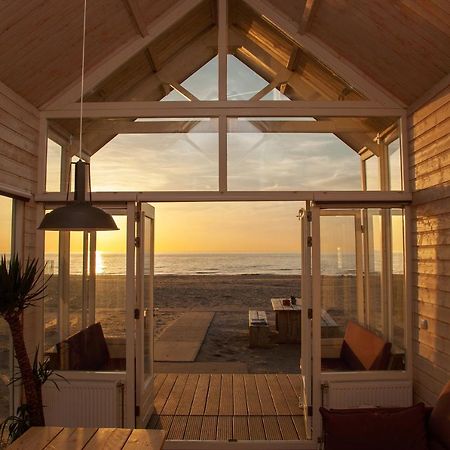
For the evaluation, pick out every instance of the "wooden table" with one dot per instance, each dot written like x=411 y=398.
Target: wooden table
x=288 y=320
x=59 y=438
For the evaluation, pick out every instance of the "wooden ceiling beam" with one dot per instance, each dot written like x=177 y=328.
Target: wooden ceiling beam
x=307 y=16
x=136 y=15
x=107 y=66
x=351 y=74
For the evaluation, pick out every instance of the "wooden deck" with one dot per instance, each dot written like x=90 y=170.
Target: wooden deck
x=229 y=407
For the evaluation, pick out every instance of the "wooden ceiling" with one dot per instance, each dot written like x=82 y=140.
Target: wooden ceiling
x=402 y=45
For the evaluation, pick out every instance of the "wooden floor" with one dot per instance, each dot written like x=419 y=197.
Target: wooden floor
x=229 y=407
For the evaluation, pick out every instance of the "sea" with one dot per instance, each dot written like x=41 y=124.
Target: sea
x=224 y=264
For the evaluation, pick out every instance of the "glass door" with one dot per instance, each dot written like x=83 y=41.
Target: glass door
x=306 y=303
x=144 y=313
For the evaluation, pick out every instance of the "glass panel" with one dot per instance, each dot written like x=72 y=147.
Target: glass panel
x=398 y=278
x=276 y=154
x=75 y=282
x=243 y=83
x=374 y=257
x=52 y=292
x=5 y=354
x=110 y=288
x=267 y=52
x=395 y=165
x=53 y=177
x=148 y=298
x=373 y=174
x=175 y=154
x=338 y=269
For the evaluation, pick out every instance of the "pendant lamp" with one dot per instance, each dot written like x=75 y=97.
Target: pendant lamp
x=79 y=214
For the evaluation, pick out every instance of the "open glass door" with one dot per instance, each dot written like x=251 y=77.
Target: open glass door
x=306 y=342
x=144 y=313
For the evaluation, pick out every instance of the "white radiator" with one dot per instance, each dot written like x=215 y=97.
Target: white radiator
x=359 y=394
x=85 y=399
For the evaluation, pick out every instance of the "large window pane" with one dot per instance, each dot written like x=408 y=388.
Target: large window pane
x=53 y=177
x=373 y=174
x=395 y=165
x=398 y=277
x=5 y=355
x=276 y=154
x=174 y=154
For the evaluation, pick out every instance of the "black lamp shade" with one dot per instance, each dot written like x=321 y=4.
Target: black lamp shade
x=78 y=215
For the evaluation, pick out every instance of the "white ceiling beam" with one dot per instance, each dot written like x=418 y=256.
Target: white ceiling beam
x=183 y=91
x=382 y=197
x=338 y=125
x=351 y=74
x=113 y=62
x=307 y=16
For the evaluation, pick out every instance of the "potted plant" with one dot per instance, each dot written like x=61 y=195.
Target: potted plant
x=22 y=286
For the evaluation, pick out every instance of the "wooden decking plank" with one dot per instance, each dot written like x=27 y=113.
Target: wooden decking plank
x=165 y=422
x=296 y=383
x=299 y=422
x=226 y=396
x=209 y=428
x=35 y=437
x=224 y=428
x=271 y=428
x=177 y=428
x=213 y=398
x=139 y=439
x=119 y=438
x=289 y=394
x=174 y=398
x=279 y=400
x=240 y=428
x=193 y=428
x=256 y=428
x=164 y=392
x=200 y=395
x=239 y=396
x=158 y=382
x=265 y=397
x=72 y=438
x=253 y=402
x=287 y=428
x=187 y=396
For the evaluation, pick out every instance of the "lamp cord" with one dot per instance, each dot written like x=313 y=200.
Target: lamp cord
x=82 y=77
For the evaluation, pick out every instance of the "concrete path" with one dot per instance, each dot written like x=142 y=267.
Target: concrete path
x=181 y=341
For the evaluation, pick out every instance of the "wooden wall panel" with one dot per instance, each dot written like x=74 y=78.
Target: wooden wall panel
x=429 y=144
x=19 y=125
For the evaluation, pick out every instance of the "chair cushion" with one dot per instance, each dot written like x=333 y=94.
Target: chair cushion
x=375 y=428
x=439 y=423
x=364 y=350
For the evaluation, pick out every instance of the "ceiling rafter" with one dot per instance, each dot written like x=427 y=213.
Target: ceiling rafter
x=136 y=15
x=358 y=79
x=104 y=68
x=308 y=15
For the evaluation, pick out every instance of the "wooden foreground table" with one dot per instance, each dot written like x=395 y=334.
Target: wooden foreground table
x=58 y=438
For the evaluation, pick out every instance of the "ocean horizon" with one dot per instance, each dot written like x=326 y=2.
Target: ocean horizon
x=223 y=263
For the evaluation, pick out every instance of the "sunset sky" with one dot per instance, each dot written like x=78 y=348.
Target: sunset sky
x=189 y=161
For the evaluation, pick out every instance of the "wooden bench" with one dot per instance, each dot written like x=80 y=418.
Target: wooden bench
x=85 y=350
x=361 y=349
x=258 y=329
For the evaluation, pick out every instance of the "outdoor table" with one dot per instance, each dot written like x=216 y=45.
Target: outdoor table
x=288 y=321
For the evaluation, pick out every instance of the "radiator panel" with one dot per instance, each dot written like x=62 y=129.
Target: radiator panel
x=84 y=402
x=360 y=394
